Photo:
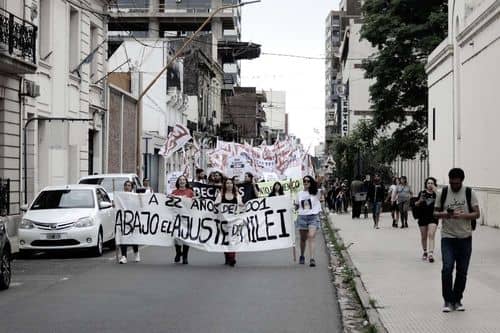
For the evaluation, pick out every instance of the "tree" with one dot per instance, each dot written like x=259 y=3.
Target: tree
x=404 y=33
x=356 y=154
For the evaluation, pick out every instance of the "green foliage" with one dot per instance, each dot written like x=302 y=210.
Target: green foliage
x=358 y=153
x=404 y=32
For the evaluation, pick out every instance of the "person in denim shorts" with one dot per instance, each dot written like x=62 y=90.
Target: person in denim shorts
x=308 y=205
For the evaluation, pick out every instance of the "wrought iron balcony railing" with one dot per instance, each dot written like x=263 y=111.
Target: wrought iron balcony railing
x=17 y=37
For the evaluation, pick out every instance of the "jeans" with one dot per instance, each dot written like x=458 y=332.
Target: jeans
x=455 y=250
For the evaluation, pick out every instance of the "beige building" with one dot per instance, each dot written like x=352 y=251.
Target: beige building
x=464 y=80
x=18 y=56
x=65 y=136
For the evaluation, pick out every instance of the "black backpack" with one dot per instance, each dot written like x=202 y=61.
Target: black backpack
x=468 y=196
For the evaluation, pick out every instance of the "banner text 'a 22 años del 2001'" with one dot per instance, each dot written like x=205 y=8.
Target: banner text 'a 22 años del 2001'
x=156 y=219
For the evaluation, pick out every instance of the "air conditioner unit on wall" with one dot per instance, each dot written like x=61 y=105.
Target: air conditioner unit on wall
x=31 y=89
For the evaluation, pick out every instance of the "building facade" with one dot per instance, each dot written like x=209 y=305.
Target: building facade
x=65 y=124
x=332 y=71
x=275 y=108
x=245 y=113
x=355 y=88
x=463 y=78
x=18 y=57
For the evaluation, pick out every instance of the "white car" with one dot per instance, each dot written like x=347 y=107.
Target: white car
x=111 y=181
x=68 y=217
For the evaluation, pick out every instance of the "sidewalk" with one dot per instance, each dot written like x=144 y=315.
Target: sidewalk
x=408 y=290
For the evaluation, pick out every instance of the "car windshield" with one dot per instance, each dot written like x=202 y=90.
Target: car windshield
x=54 y=199
x=109 y=184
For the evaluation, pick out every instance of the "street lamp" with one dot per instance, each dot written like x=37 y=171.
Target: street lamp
x=176 y=55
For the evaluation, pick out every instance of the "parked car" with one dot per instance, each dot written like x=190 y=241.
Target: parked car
x=5 y=258
x=111 y=181
x=68 y=217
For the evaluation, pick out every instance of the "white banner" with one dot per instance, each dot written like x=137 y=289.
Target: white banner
x=155 y=219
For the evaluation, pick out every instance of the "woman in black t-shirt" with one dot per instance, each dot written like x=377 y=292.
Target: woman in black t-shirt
x=427 y=222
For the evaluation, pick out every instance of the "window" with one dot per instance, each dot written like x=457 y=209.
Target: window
x=74 y=38
x=433 y=124
x=57 y=199
x=102 y=196
x=109 y=184
x=95 y=59
x=44 y=40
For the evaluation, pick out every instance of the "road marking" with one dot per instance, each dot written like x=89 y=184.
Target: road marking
x=16 y=284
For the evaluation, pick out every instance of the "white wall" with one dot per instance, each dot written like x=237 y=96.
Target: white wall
x=464 y=86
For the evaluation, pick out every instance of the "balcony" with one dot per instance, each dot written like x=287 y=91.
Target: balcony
x=17 y=44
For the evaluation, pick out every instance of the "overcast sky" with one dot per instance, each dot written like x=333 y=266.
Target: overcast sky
x=291 y=27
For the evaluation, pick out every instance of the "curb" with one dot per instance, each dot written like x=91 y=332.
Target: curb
x=364 y=296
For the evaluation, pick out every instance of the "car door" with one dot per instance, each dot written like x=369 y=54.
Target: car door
x=105 y=215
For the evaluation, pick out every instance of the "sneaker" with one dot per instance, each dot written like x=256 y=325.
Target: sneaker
x=123 y=260
x=447 y=307
x=424 y=256
x=137 y=257
x=302 y=260
x=431 y=258
x=459 y=306
x=312 y=263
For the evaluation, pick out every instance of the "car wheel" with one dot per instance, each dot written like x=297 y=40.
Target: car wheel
x=5 y=270
x=98 y=249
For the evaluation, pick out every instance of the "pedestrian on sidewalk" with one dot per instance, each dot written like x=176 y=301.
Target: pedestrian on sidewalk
x=229 y=195
x=358 y=197
x=182 y=189
x=366 y=186
x=376 y=195
x=128 y=186
x=391 y=198
x=403 y=199
x=309 y=207
x=458 y=208
x=426 y=220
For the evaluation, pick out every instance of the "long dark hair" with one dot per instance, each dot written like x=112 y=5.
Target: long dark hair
x=177 y=182
x=224 y=191
x=280 y=190
x=313 y=185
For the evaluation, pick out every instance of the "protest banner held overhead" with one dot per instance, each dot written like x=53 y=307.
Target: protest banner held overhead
x=176 y=139
x=156 y=219
x=283 y=160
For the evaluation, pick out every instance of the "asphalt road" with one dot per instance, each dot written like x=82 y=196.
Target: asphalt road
x=265 y=292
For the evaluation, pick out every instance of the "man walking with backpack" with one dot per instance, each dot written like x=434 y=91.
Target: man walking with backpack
x=458 y=208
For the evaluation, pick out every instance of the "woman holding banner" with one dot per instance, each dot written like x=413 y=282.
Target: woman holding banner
x=128 y=186
x=182 y=189
x=309 y=207
x=277 y=190
x=229 y=195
